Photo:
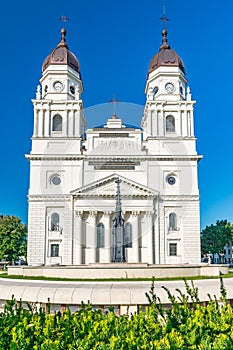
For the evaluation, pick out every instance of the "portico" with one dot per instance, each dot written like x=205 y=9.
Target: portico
x=93 y=228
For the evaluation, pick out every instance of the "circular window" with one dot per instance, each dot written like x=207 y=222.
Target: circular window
x=171 y=180
x=56 y=180
x=72 y=89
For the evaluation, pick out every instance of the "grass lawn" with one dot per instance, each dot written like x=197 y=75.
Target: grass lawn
x=5 y=275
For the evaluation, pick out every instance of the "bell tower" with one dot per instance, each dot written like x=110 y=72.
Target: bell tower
x=56 y=155
x=168 y=138
x=58 y=108
x=169 y=108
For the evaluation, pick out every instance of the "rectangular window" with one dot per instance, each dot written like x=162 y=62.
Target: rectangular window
x=54 y=250
x=173 y=249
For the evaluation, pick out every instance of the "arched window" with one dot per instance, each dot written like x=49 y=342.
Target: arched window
x=57 y=123
x=172 y=221
x=55 y=222
x=100 y=235
x=128 y=235
x=170 y=123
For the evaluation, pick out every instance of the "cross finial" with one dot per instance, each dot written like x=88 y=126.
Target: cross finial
x=114 y=101
x=62 y=42
x=64 y=18
x=164 y=18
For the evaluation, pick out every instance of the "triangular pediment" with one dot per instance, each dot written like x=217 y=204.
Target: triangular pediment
x=106 y=187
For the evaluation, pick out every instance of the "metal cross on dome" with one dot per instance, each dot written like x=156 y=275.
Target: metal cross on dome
x=164 y=18
x=64 y=18
x=114 y=101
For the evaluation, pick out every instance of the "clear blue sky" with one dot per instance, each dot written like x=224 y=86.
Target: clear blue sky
x=114 y=42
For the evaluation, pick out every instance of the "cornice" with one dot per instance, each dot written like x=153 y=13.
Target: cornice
x=50 y=102
x=67 y=198
x=57 y=138
x=166 y=198
x=173 y=138
x=54 y=157
x=113 y=196
x=115 y=159
x=125 y=158
x=49 y=197
x=164 y=104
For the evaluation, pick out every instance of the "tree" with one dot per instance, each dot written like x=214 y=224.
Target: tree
x=215 y=237
x=12 y=238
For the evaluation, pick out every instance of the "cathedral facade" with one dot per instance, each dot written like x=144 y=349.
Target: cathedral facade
x=74 y=171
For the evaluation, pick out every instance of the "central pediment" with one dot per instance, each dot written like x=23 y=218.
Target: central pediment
x=106 y=187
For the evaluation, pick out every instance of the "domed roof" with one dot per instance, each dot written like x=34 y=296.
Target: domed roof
x=166 y=56
x=62 y=55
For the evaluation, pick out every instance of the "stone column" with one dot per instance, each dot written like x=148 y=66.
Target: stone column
x=108 y=237
x=46 y=124
x=181 y=122
x=150 y=243
x=155 y=123
x=161 y=123
x=77 y=243
x=186 y=123
x=67 y=123
x=77 y=121
x=91 y=238
x=40 y=123
x=74 y=122
x=135 y=237
x=35 y=128
x=191 y=123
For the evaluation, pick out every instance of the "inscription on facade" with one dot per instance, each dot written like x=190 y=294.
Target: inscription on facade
x=116 y=144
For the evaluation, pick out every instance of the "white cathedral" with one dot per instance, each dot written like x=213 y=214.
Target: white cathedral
x=73 y=170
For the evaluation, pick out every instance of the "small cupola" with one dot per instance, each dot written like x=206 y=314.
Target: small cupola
x=61 y=55
x=166 y=56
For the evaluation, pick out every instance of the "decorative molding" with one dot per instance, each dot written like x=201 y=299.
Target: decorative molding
x=143 y=157
x=93 y=213
x=107 y=213
x=42 y=198
x=111 y=196
x=106 y=159
x=180 y=198
x=79 y=213
x=88 y=189
x=55 y=157
x=148 y=213
x=135 y=213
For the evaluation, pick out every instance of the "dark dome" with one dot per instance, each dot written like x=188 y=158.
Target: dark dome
x=166 y=56
x=62 y=55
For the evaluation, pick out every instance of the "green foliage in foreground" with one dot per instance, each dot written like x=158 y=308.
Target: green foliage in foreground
x=181 y=327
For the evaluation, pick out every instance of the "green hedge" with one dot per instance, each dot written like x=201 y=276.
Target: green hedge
x=181 y=327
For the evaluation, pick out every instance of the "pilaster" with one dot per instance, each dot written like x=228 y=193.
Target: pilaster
x=148 y=237
x=77 y=240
